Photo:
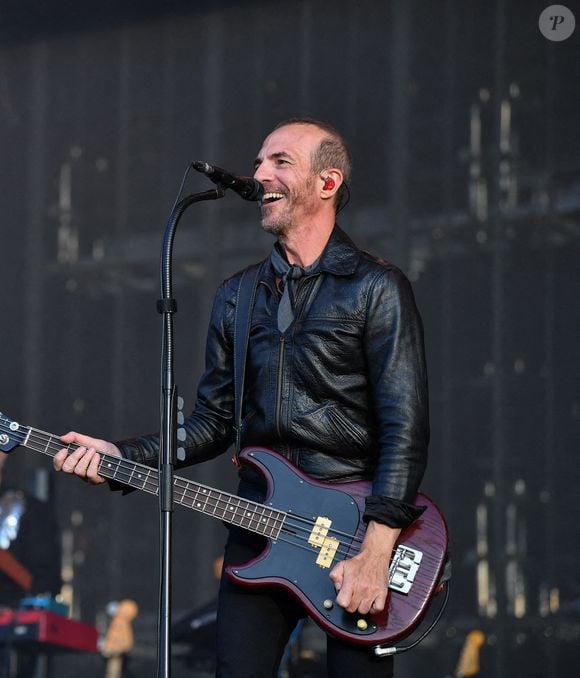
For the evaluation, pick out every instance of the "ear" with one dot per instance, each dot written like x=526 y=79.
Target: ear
x=330 y=181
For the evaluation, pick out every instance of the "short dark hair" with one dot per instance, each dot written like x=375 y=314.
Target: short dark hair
x=332 y=151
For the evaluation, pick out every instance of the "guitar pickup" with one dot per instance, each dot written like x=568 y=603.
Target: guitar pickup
x=319 y=532
x=403 y=569
x=327 y=552
x=319 y=539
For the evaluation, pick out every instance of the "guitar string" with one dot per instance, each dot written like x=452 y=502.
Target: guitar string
x=178 y=481
x=186 y=492
x=119 y=461
x=189 y=498
x=148 y=480
x=53 y=447
x=242 y=504
x=220 y=512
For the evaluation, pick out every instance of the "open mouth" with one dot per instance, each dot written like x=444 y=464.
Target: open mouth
x=269 y=198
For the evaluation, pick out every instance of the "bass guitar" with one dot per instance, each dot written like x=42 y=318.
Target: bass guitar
x=310 y=526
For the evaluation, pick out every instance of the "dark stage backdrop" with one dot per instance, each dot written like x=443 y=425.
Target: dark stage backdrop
x=463 y=123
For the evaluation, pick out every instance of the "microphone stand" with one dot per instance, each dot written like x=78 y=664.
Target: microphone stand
x=167 y=306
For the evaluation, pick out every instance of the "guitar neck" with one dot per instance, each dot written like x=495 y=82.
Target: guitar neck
x=227 y=507
x=114 y=668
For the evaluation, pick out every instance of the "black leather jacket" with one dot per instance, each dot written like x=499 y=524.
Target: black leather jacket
x=342 y=393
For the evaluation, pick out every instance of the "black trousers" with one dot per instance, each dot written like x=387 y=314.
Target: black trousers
x=254 y=626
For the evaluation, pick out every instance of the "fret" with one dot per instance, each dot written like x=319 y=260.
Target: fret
x=138 y=479
x=230 y=508
x=221 y=513
x=248 y=516
x=268 y=526
x=180 y=494
x=206 y=495
x=275 y=523
x=227 y=507
x=107 y=467
x=234 y=510
x=195 y=504
x=198 y=505
x=191 y=487
x=262 y=521
x=155 y=481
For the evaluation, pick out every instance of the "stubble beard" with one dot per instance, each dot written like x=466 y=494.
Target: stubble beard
x=286 y=221
x=279 y=228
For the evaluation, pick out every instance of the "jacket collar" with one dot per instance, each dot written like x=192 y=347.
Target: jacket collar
x=339 y=257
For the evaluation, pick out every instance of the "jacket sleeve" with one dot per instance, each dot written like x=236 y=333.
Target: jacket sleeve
x=209 y=428
x=398 y=381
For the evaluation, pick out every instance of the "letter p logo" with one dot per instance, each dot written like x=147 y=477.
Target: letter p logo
x=557 y=23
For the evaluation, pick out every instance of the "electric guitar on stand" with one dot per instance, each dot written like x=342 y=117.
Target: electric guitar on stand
x=468 y=664
x=310 y=527
x=118 y=640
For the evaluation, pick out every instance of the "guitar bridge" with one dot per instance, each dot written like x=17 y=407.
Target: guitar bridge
x=403 y=569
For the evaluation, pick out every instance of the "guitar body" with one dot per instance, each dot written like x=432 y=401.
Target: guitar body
x=287 y=563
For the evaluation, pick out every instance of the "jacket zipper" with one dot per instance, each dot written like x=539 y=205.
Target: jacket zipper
x=279 y=385
x=281 y=349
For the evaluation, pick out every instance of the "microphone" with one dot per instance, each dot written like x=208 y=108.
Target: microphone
x=246 y=187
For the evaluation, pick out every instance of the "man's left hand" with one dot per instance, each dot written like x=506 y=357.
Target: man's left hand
x=362 y=581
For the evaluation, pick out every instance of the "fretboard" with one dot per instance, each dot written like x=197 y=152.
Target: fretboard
x=228 y=507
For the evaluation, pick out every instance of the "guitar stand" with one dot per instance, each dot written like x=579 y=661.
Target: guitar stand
x=444 y=585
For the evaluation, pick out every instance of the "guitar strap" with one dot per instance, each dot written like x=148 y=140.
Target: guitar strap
x=245 y=298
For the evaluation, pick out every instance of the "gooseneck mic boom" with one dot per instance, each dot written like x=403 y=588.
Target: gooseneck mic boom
x=246 y=187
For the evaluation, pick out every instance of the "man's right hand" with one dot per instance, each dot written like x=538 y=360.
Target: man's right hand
x=84 y=461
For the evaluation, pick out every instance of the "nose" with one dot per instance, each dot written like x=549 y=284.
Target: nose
x=262 y=173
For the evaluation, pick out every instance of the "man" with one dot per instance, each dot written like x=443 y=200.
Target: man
x=336 y=382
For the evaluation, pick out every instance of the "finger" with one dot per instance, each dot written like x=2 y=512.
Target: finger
x=73 y=437
x=59 y=459
x=337 y=576
x=344 y=597
x=93 y=470
x=69 y=437
x=73 y=459
x=379 y=603
x=364 y=607
x=82 y=464
x=373 y=603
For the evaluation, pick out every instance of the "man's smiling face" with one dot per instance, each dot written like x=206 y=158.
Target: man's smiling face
x=284 y=166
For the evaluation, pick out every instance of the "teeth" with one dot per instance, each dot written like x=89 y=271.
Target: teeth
x=272 y=196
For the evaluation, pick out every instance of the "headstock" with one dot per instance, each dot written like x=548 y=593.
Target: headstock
x=119 y=637
x=469 y=659
x=11 y=433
